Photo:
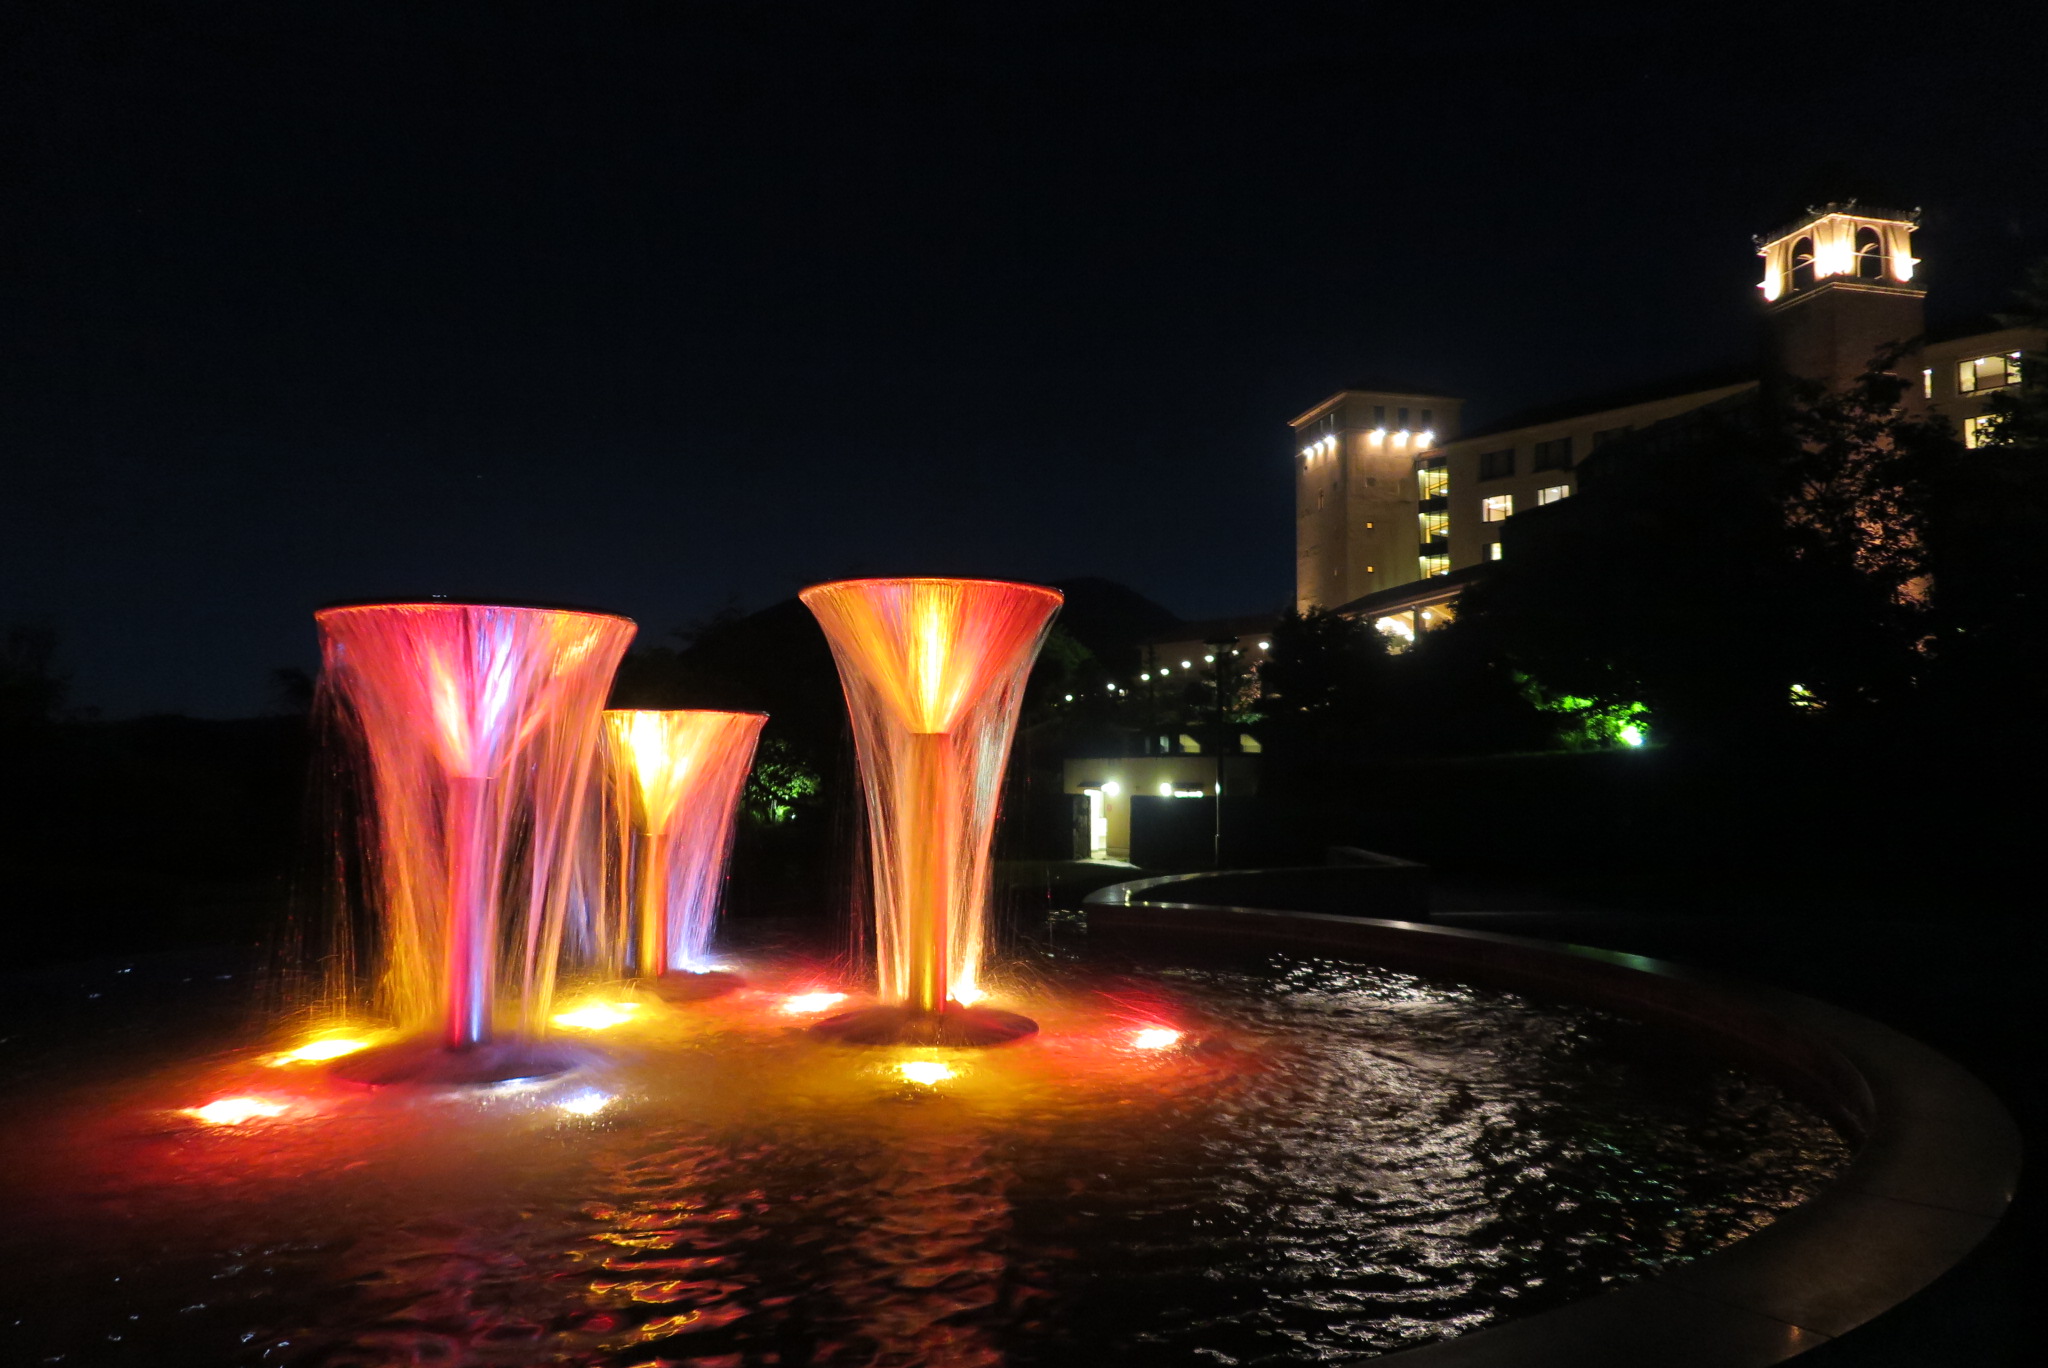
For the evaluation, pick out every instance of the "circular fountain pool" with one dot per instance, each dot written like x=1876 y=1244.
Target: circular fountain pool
x=1293 y=1158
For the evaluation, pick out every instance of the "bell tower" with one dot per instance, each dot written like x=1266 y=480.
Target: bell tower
x=1840 y=282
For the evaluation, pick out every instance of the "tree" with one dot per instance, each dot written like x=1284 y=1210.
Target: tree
x=1324 y=686
x=1737 y=570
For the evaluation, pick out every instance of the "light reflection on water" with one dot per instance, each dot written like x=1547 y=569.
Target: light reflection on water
x=1332 y=1160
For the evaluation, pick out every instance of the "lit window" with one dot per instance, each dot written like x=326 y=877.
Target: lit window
x=1927 y=383
x=1555 y=454
x=1434 y=527
x=1550 y=494
x=1432 y=483
x=1435 y=565
x=1493 y=465
x=1493 y=550
x=1988 y=372
x=1980 y=431
x=1496 y=508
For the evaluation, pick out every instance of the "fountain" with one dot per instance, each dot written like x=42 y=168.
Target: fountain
x=673 y=785
x=479 y=722
x=933 y=671
x=1423 y=1130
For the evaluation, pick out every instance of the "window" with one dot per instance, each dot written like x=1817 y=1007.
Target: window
x=1869 y=254
x=1606 y=435
x=1988 y=372
x=1495 y=464
x=1432 y=483
x=1434 y=526
x=1435 y=565
x=1493 y=550
x=1980 y=431
x=1429 y=418
x=1550 y=494
x=1927 y=383
x=1802 y=264
x=1379 y=415
x=1555 y=454
x=1496 y=508
x=1400 y=417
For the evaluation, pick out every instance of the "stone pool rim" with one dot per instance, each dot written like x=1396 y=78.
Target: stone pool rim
x=1936 y=1156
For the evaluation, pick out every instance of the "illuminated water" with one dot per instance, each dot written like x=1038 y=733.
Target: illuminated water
x=1331 y=1160
x=672 y=787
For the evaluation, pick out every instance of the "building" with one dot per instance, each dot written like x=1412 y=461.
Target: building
x=1397 y=506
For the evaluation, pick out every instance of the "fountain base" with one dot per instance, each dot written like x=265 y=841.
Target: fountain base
x=956 y=1026
x=430 y=1064
x=684 y=986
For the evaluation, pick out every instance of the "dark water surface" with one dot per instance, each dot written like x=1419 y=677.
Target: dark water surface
x=1334 y=1160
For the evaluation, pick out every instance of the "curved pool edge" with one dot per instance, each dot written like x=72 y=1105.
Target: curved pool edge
x=1936 y=1163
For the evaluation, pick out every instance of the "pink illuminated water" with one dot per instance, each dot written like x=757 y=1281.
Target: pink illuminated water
x=480 y=726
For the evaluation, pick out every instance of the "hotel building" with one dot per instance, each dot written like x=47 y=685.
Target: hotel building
x=1397 y=505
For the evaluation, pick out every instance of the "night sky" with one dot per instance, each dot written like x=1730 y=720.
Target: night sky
x=653 y=307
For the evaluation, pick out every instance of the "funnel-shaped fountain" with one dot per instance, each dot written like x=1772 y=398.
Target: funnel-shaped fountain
x=934 y=673
x=673 y=784
x=480 y=723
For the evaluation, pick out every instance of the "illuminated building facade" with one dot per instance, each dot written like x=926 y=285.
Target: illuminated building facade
x=1397 y=507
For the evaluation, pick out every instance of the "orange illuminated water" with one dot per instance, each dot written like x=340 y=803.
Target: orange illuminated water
x=673 y=787
x=933 y=671
x=480 y=726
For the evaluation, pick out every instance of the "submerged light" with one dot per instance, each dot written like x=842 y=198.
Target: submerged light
x=1155 y=1038
x=320 y=1048
x=596 y=1016
x=926 y=1071
x=588 y=1102
x=966 y=994
x=800 y=1003
x=235 y=1111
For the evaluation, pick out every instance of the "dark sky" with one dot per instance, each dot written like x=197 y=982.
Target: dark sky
x=650 y=306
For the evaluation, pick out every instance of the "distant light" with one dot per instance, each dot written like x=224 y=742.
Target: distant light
x=801 y=1003
x=1426 y=438
x=1166 y=669
x=1211 y=659
x=1166 y=790
x=1147 y=678
x=1111 y=788
x=1155 y=1038
x=589 y=1102
x=1401 y=437
x=1187 y=664
x=1631 y=735
x=325 y=1047
x=967 y=994
x=597 y=1016
x=925 y=1071
x=234 y=1111
x=1265 y=645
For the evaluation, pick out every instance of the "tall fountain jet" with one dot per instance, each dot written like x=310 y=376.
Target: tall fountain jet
x=674 y=781
x=933 y=671
x=480 y=723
